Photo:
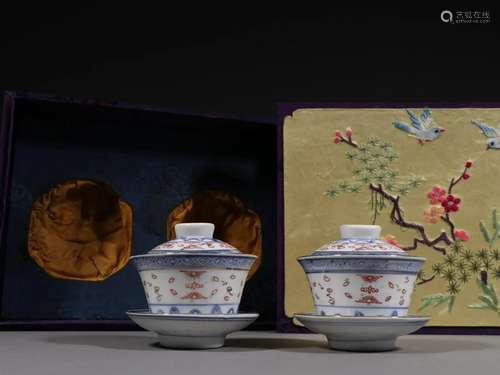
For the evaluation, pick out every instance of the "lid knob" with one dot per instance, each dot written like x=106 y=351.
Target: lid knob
x=194 y=230
x=362 y=232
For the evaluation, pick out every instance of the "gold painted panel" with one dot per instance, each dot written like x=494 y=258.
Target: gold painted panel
x=327 y=183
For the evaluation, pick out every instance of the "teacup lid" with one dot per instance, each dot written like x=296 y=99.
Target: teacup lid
x=194 y=238
x=359 y=240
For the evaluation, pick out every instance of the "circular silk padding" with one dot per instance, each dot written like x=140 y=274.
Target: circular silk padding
x=234 y=222
x=80 y=230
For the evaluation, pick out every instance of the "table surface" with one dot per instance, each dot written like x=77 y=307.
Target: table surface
x=75 y=353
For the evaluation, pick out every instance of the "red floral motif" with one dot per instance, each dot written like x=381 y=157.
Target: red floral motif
x=368 y=300
x=451 y=203
x=171 y=280
x=192 y=246
x=329 y=290
x=433 y=214
x=174 y=292
x=370 y=289
x=194 y=285
x=390 y=239
x=348 y=295
x=436 y=194
x=193 y=274
x=331 y=301
x=468 y=163
x=388 y=298
x=461 y=235
x=194 y=296
x=466 y=176
x=370 y=278
x=361 y=246
x=226 y=298
x=326 y=278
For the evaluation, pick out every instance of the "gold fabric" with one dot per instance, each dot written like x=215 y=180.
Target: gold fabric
x=80 y=230
x=234 y=222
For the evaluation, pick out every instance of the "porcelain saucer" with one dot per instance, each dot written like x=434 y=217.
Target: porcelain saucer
x=191 y=331
x=362 y=333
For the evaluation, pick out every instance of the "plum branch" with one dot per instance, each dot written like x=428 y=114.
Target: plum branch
x=397 y=217
x=375 y=158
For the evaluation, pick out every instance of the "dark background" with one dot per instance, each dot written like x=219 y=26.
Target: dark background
x=240 y=60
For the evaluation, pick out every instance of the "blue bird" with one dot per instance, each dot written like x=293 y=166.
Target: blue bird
x=422 y=128
x=492 y=134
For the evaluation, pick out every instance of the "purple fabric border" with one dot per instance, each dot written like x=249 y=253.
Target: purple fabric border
x=285 y=324
x=280 y=241
x=5 y=154
x=81 y=325
x=69 y=325
x=287 y=109
x=122 y=105
x=6 y=129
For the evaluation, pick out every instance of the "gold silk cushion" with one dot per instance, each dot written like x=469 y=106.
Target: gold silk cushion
x=80 y=230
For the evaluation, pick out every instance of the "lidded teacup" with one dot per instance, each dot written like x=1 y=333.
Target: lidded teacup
x=194 y=273
x=361 y=275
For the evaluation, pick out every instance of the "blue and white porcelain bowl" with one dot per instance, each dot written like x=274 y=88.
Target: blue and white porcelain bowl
x=193 y=274
x=361 y=275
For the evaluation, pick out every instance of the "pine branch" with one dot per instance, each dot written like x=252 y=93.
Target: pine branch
x=424 y=280
x=484 y=231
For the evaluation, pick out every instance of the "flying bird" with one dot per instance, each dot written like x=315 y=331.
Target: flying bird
x=492 y=135
x=422 y=128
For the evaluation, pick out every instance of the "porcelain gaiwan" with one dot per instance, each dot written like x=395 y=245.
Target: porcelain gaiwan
x=361 y=275
x=194 y=273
